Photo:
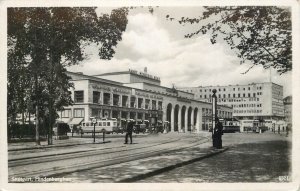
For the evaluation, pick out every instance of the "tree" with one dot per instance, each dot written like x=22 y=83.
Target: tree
x=48 y=40
x=261 y=35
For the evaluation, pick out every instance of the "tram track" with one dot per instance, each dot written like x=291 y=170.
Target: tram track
x=110 y=159
x=73 y=154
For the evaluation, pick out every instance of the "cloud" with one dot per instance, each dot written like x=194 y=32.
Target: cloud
x=183 y=62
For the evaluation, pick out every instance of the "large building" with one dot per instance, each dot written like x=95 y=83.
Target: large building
x=138 y=96
x=287 y=101
x=253 y=104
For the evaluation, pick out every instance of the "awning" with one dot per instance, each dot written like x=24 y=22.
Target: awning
x=146 y=120
x=64 y=120
x=76 y=121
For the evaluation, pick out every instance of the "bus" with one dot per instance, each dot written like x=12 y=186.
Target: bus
x=102 y=126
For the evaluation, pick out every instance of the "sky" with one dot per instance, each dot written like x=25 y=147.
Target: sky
x=152 y=41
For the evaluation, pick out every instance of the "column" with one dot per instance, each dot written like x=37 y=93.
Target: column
x=101 y=98
x=172 y=119
x=179 y=119
x=120 y=100
x=199 y=120
x=186 y=120
x=111 y=99
x=192 y=120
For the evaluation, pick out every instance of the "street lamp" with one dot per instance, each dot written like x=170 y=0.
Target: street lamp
x=94 y=121
x=214 y=114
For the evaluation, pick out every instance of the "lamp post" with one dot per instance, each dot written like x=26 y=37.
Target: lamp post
x=94 y=121
x=214 y=114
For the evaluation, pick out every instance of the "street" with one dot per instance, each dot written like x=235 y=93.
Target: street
x=251 y=158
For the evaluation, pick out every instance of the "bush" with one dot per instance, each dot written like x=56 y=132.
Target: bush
x=63 y=128
x=16 y=130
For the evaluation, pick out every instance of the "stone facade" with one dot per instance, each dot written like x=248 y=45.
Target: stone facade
x=99 y=97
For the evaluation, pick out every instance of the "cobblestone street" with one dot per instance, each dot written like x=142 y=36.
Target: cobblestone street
x=250 y=158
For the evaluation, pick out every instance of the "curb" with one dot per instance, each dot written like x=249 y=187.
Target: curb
x=171 y=167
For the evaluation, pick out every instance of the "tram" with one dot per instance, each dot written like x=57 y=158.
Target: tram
x=230 y=125
x=102 y=126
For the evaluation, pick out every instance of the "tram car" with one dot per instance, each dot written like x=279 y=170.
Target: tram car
x=102 y=126
x=230 y=125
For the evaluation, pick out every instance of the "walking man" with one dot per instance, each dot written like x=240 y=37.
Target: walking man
x=129 y=130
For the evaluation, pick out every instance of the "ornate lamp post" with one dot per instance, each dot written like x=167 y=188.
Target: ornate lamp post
x=214 y=115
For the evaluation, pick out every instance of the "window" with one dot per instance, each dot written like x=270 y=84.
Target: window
x=249 y=95
x=66 y=113
x=224 y=96
x=248 y=88
x=78 y=112
x=78 y=96
x=108 y=123
x=229 y=95
x=233 y=95
x=95 y=112
x=154 y=104
x=233 y=89
x=253 y=94
x=239 y=95
x=104 y=123
x=96 y=97
x=100 y=123
x=244 y=95
x=205 y=96
x=224 y=89
x=244 y=89
x=160 y=105
x=106 y=99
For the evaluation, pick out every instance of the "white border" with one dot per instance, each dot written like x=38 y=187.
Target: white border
x=148 y=186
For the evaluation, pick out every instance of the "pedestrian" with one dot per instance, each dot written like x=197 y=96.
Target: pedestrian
x=218 y=132
x=129 y=130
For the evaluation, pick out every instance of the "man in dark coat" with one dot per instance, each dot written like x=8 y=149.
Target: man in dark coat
x=129 y=130
x=218 y=134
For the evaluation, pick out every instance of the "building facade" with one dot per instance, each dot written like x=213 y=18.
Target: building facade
x=287 y=101
x=253 y=104
x=138 y=96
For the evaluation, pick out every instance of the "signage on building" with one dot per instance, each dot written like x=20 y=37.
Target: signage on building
x=146 y=95
x=113 y=89
x=101 y=87
x=183 y=100
x=144 y=74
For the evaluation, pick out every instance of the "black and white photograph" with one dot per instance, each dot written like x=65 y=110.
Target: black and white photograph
x=195 y=94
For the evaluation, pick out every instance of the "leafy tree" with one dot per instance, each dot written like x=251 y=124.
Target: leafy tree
x=48 y=40
x=261 y=35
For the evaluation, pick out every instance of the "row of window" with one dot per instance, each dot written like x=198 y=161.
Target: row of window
x=247 y=111
x=233 y=95
x=224 y=89
x=248 y=105
x=116 y=101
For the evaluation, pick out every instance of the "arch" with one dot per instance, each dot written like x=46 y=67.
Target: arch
x=169 y=115
x=176 y=125
x=189 y=118
x=183 y=110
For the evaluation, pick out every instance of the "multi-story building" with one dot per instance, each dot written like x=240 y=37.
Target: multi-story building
x=139 y=96
x=287 y=102
x=253 y=104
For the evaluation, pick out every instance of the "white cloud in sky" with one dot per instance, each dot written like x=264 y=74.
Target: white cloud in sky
x=183 y=62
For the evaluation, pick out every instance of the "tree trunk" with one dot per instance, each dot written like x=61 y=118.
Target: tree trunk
x=37 y=133
x=50 y=140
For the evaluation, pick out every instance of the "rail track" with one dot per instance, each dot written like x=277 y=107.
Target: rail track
x=64 y=163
